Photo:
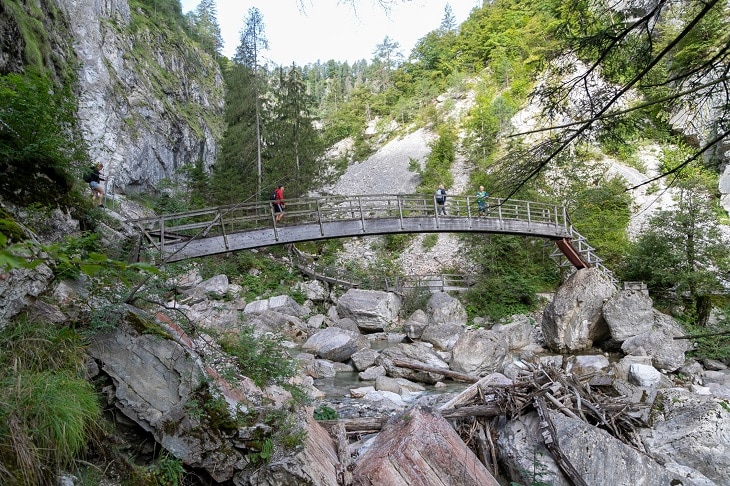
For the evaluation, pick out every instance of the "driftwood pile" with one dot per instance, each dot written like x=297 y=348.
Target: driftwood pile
x=474 y=412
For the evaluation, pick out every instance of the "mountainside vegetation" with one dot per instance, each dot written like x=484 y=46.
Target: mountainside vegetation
x=636 y=69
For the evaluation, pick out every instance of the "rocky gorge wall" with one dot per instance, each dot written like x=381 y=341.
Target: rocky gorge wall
x=149 y=100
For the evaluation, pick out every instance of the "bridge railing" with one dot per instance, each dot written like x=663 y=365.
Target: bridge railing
x=240 y=217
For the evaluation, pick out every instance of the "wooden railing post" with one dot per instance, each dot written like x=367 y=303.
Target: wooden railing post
x=499 y=212
x=319 y=218
x=162 y=238
x=362 y=213
x=400 y=210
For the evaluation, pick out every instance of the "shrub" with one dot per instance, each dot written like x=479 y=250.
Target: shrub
x=261 y=359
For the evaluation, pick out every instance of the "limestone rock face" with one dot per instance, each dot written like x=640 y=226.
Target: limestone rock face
x=573 y=321
x=20 y=287
x=420 y=448
x=153 y=380
x=143 y=117
x=316 y=463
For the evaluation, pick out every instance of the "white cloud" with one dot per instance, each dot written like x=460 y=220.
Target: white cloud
x=331 y=29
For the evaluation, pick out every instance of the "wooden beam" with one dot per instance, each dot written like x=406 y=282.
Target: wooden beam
x=432 y=369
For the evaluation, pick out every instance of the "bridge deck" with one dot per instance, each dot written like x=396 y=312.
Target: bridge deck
x=251 y=225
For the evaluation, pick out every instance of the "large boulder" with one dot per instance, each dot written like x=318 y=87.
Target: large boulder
x=372 y=310
x=479 y=352
x=313 y=290
x=445 y=309
x=573 y=321
x=628 y=313
x=279 y=303
x=286 y=325
x=415 y=324
x=335 y=344
x=443 y=336
x=419 y=447
x=315 y=463
x=692 y=430
x=598 y=457
x=517 y=332
x=19 y=288
x=153 y=381
x=419 y=353
x=667 y=353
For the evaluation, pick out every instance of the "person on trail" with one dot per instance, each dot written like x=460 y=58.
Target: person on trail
x=94 y=179
x=279 y=203
x=440 y=197
x=482 y=196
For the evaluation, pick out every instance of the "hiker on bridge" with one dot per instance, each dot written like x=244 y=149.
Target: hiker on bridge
x=279 y=203
x=482 y=196
x=441 y=200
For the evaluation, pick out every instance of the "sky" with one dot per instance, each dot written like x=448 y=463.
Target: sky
x=331 y=29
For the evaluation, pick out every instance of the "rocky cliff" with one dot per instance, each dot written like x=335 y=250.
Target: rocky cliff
x=149 y=100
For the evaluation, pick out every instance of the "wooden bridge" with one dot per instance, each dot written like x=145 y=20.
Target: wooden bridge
x=210 y=231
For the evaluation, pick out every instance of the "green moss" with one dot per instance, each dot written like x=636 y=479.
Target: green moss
x=145 y=326
x=10 y=228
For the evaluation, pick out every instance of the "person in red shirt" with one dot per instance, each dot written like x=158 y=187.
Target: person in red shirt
x=279 y=203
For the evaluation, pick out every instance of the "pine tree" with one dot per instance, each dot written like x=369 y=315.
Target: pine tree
x=253 y=41
x=205 y=26
x=293 y=144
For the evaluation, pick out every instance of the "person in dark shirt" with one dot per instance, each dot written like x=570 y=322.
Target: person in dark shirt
x=97 y=190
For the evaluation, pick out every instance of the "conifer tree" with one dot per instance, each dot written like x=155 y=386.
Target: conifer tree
x=206 y=28
x=248 y=54
x=293 y=143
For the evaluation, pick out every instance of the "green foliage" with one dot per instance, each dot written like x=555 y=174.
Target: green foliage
x=162 y=12
x=37 y=143
x=293 y=146
x=514 y=269
x=490 y=115
x=166 y=471
x=212 y=410
x=438 y=165
x=430 y=241
x=711 y=342
x=261 y=358
x=323 y=412
x=396 y=243
x=48 y=411
x=414 y=299
x=264 y=451
x=682 y=255
x=601 y=213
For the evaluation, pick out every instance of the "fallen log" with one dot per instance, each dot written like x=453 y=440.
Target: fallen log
x=466 y=395
x=432 y=369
